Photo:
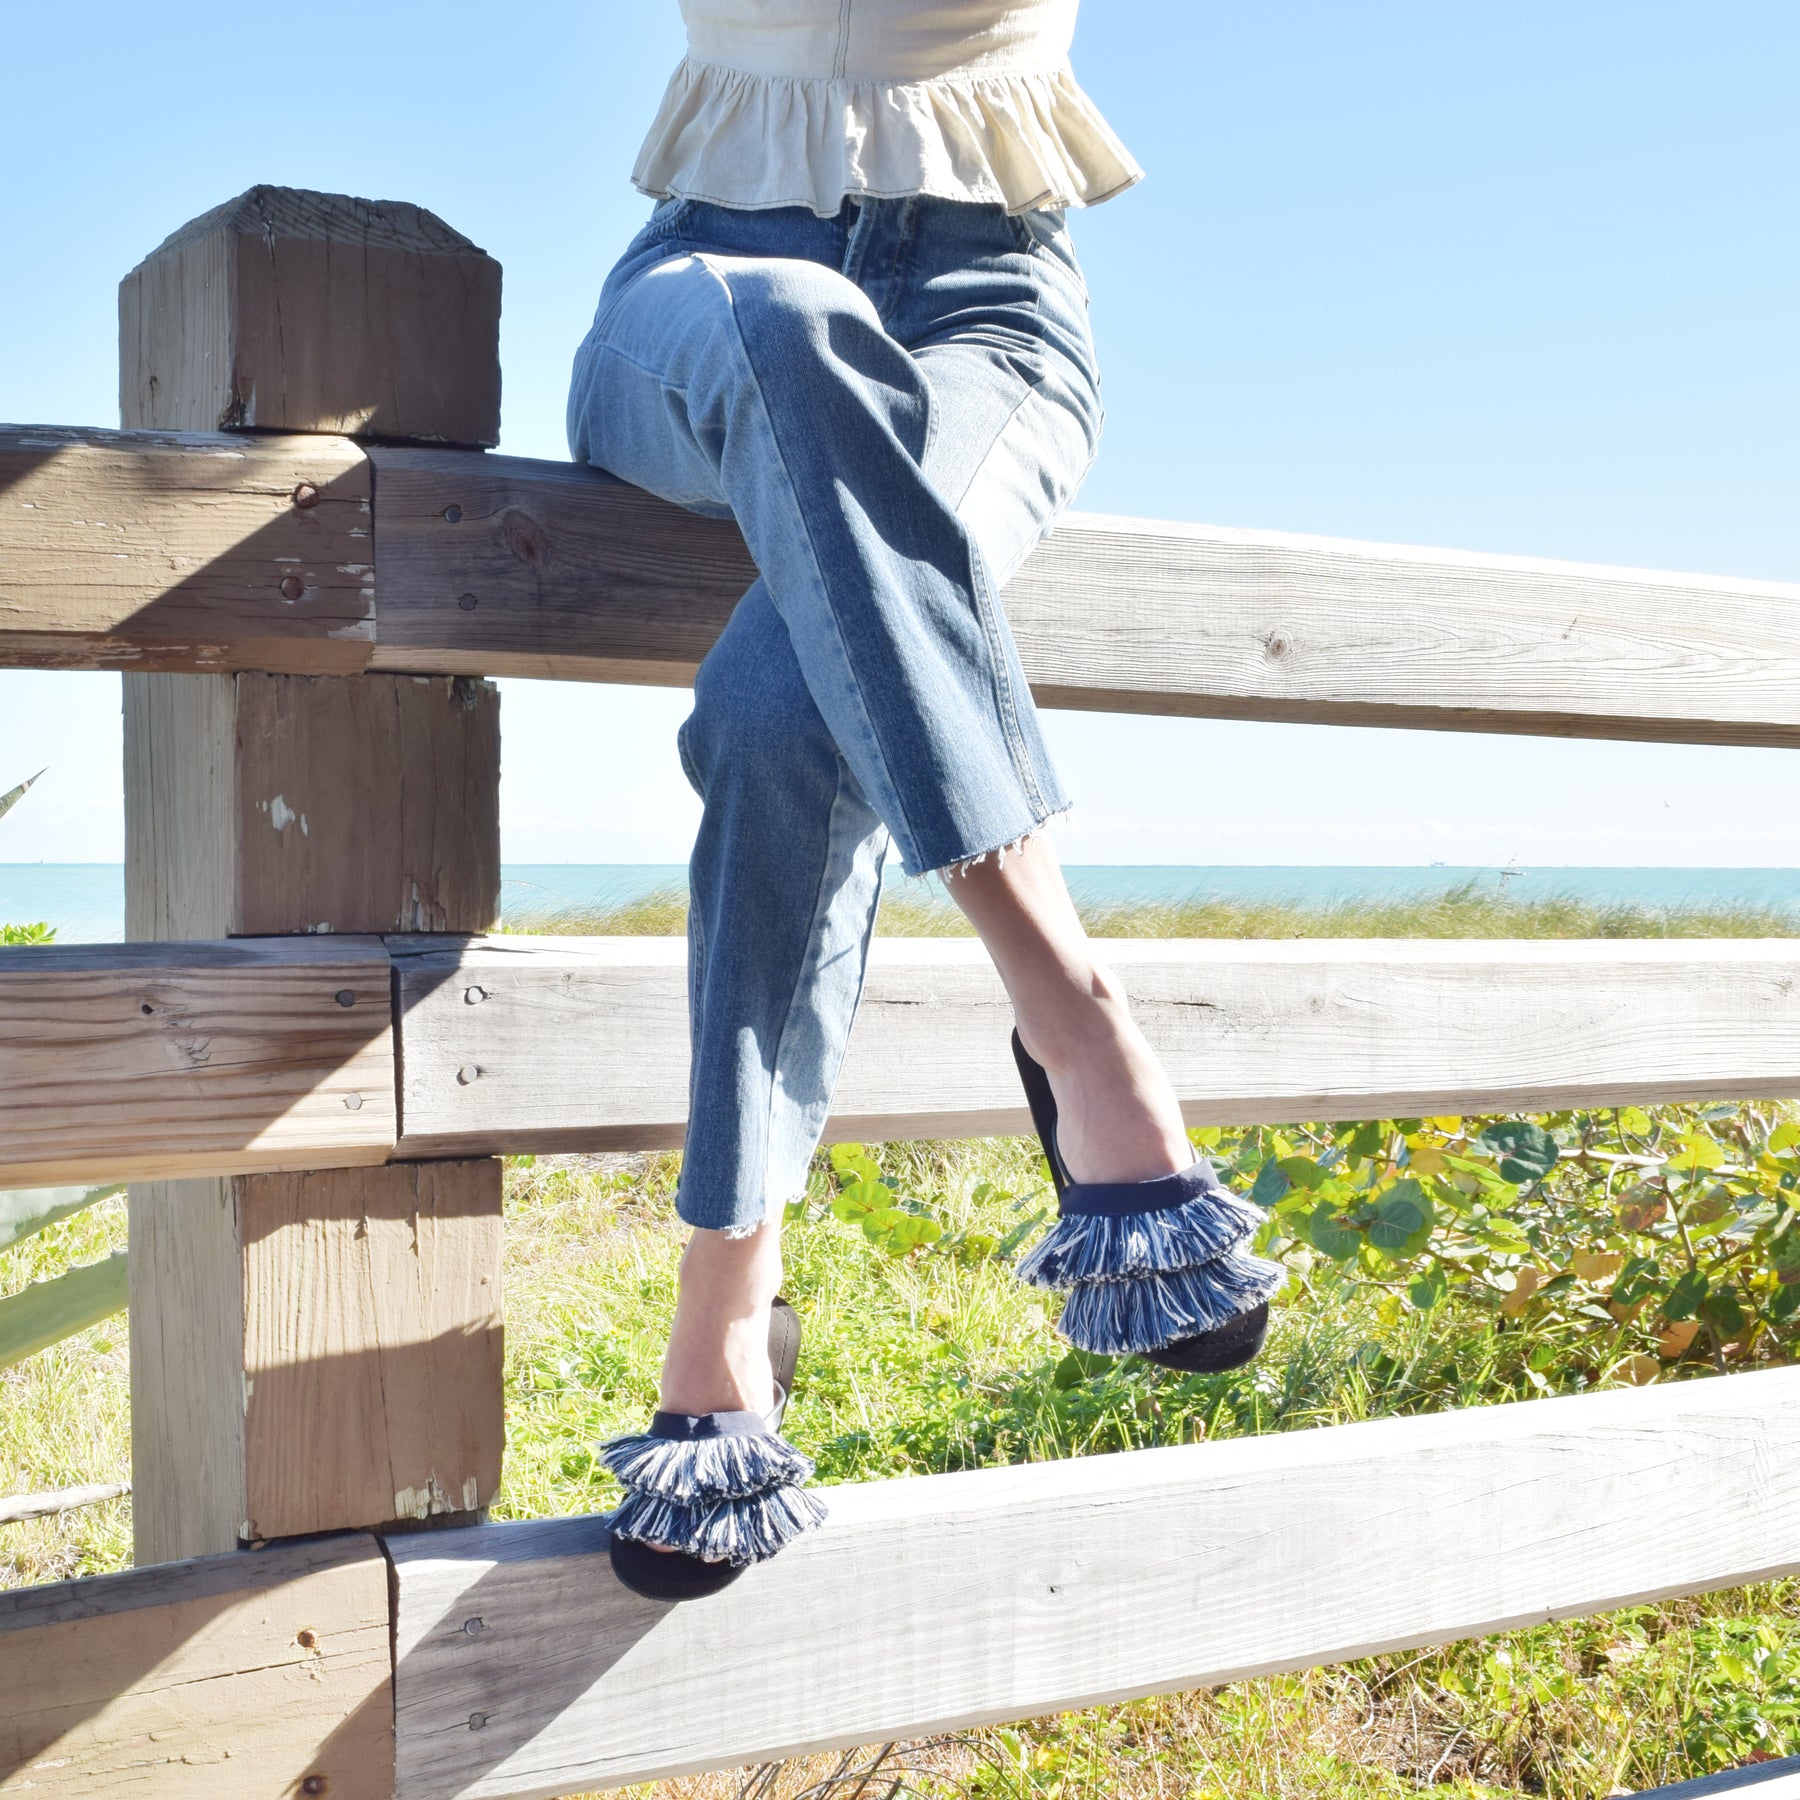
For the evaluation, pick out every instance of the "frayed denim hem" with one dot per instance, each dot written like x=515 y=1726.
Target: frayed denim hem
x=772 y=1213
x=999 y=852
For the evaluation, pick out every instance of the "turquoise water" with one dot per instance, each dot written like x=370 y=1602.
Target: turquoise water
x=86 y=901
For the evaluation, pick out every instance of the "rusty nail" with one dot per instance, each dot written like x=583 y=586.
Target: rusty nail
x=477 y=1720
x=468 y=603
x=467 y=1073
x=346 y=996
x=306 y=495
x=292 y=587
x=353 y=1103
x=453 y=515
x=307 y=1638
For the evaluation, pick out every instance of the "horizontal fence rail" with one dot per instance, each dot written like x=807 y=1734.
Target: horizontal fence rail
x=138 y=1060
x=227 y=1678
x=522 y=1669
x=318 y=555
x=132 y=1061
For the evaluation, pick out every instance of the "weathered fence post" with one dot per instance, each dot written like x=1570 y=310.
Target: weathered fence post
x=312 y=1351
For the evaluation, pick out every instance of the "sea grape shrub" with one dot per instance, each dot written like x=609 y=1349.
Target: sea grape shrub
x=1624 y=1239
x=1621 y=1241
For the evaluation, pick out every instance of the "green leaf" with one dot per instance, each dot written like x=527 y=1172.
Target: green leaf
x=1330 y=1235
x=1079 y=1366
x=1723 y=1311
x=1303 y=1172
x=1695 y=1150
x=1784 y=1302
x=1784 y=1253
x=1785 y=1137
x=1272 y=1184
x=1403 y=1220
x=1429 y=1289
x=13 y=796
x=26 y=1211
x=1683 y=1300
x=861 y=1199
x=1524 y=1152
x=1639 y=1275
x=49 y=1311
x=1635 y=1120
x=908 y=1231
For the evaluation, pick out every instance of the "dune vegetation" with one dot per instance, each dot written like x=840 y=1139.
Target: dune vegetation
x=1433 y=1263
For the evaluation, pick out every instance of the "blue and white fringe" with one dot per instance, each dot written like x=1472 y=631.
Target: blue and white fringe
x=1138 y=1281
x=735 y=1496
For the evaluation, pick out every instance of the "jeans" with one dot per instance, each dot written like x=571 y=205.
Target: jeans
x=893 y=404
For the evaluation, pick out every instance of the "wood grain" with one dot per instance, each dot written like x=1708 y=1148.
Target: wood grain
x=187 y=1369
x=372 y=1345
x=234 y=1678
x=946 y=1601
x=498 y=565
x=273 y=803
x=289 y=310
x=1760 y=1781
x=313 y=1352
x=520 y=1043
x=140 y=550
x=139 y=1060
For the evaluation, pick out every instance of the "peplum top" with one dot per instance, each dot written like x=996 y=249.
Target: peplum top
x=810 y=102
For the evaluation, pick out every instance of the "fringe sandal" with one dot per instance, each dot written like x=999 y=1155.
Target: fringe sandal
x=1160 y=1269
x=708 y=1494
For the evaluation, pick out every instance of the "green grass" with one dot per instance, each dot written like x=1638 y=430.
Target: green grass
x=939 y=1360
x=918 y=909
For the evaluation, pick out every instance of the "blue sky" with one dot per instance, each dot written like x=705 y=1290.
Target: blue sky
x=1516 y=276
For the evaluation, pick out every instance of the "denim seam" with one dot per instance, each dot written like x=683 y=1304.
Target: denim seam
x=846 y=664
x=810 y=960
x=985 y=606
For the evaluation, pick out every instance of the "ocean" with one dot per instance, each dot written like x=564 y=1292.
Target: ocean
x=85 y=902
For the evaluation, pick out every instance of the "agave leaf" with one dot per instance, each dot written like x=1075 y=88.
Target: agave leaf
x=26 y=1211
x=9 y=800
x=49 y=1311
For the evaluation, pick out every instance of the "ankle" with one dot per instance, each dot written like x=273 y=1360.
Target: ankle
x=1078 y=1024
x=718 y=1355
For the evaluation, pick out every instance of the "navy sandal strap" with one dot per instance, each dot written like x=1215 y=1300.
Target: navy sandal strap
x=1114 y=1199
x=693 y=1428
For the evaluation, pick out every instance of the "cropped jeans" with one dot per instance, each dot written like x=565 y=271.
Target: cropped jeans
x=893 y=404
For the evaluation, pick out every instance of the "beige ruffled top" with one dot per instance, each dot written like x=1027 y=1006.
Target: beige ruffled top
x=807 y=102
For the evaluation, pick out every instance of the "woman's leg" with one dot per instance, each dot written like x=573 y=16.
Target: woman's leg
x=783 y=886
x=1119 y=1119
x=885 y=496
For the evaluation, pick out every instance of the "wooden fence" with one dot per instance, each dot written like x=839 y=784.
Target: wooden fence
x=311 y=1056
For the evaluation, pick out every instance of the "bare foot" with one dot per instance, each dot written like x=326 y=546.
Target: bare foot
x=718 y=1355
